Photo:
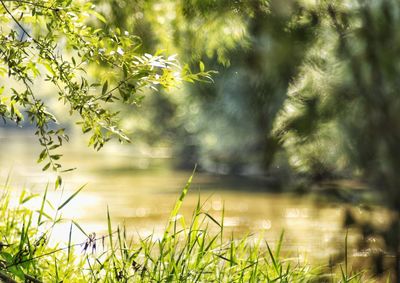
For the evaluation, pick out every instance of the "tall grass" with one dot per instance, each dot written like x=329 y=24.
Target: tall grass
x=194 y=252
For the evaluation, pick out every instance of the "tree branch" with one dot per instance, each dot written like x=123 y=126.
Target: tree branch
x=35 y=4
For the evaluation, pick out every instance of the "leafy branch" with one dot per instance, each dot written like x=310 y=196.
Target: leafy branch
x=43 y=54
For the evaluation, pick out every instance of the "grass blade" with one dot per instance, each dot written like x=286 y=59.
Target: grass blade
x=71 y=197
x=178 y=204
x=273 y=259
x=80 y=228
x=279 y=246
x=212 y=219
x=42 y=205
x=345 y=254
x=110 y=230
x=69 y=243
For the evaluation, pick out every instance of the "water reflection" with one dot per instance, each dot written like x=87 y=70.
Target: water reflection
x=140 y=193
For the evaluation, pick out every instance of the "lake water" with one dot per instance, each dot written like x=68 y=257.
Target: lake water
x=140 y=188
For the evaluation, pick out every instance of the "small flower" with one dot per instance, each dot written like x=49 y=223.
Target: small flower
x=90 y=242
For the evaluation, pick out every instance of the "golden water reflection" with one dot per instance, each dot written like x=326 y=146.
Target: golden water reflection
x=140 y=192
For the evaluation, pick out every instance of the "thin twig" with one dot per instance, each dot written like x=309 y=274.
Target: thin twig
x=35 y=4
x=5 y=279
x=16 y=21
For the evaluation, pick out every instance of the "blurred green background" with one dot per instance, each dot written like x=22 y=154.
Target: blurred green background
x=305 y=100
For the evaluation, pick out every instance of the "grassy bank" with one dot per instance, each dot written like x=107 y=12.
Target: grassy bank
x=192 y=251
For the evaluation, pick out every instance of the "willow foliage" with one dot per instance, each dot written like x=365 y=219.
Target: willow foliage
x=54 y=43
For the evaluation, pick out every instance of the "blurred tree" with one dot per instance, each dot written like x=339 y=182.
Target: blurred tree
x=321 y=75
x=226 y=126
x=308 y=83
x=343 y=110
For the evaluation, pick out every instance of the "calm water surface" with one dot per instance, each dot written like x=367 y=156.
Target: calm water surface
x=140 y=189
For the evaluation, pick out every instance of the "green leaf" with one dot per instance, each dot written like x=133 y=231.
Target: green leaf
x=28 y=198
x=179 y=202
x=68 y=170
x=212 y=219
x=80 y=228
x=201 y=66
x=105 y=87
x=54 y=146
x=46 y=167
x=69 y=243
x=41 y=212
x=98 y=16
x=272 y=258
x=55 y=156
x=71 y=197
x=110 y=230
x=49 y=68
x=279 y=244
x=58 y=182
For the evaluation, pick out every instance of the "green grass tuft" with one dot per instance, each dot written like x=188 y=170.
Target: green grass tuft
x=194 y=252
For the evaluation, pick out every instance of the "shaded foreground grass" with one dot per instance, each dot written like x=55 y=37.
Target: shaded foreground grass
x=185 y=253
